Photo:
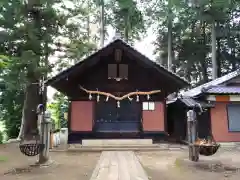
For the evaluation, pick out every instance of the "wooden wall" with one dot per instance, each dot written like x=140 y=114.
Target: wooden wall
x=154 y=120
x=82 y=113
x=219 y=124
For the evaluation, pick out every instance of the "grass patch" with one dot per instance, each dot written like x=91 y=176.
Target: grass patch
x=177 y=163
x=3 y=159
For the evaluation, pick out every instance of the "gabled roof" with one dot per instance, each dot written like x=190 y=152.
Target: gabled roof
x=64 y=74
x=199 y=89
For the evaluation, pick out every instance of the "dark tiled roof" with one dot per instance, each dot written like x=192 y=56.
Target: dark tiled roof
x=198 y=90
x=223 y=90
x=65 y=73
x=155 y=62
x=191 y=102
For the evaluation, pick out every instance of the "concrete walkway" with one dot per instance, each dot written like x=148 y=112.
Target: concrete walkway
x=119 y=165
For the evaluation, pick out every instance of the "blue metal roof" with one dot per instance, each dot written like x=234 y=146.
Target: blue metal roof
x=223 y=90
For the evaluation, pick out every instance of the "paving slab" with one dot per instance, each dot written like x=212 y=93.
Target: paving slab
x=119 y=165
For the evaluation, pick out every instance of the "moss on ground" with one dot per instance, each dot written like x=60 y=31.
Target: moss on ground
x=3 y=159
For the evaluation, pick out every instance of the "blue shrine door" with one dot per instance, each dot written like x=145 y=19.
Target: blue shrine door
x=110 y=118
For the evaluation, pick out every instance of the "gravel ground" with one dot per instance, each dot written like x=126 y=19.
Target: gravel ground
x=174 y=165
x=160 y=165
x=71 y=166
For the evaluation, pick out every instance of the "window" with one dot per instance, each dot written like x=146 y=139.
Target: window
x=148 y=106
x=118 y=55
x=117 y=71
x=112 y=71
x=233 y=117
x=123 y=71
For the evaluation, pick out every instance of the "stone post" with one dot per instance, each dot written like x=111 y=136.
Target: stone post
x=45 y=137
x=64 y=138
x=192 y=135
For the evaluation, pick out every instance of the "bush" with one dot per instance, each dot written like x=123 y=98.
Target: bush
x=1 y=137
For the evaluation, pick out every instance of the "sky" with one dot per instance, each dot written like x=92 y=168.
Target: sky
x=144 y=46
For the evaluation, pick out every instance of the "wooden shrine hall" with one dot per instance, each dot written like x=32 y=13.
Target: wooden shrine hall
x=117 y=93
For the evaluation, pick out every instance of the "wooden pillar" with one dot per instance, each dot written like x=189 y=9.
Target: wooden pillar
x=192 y=135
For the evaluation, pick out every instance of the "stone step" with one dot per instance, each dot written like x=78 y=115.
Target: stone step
x=116 y=142
x=99 y=149
x=117 y=146
x=153 y=147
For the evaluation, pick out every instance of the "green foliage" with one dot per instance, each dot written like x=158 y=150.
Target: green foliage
x=30 y=34
x=41 y=37
x=192 y=21
x=58 y=107
x=12 y=97
x=1 y=137
x=127 y=18
x=3 y=61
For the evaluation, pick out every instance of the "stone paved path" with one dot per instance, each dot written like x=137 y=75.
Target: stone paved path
x=119 y=165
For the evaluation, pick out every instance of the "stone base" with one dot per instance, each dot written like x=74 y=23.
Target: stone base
x=229 y=144
x=152 y=147
x=13 y=141
x=114 y=142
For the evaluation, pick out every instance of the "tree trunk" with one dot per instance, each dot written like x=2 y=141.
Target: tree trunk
x=214 y=59
x=219 y=64
x=233 y=49
x=126 y=24
x=88 y=20
x=233 y=60
x=28 y=127
x=32 y=101
x=21 y=131
x=169 y=35
x=102 y=24
x=203 y=60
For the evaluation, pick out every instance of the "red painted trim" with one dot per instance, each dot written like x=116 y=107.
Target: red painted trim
x=222 y=98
